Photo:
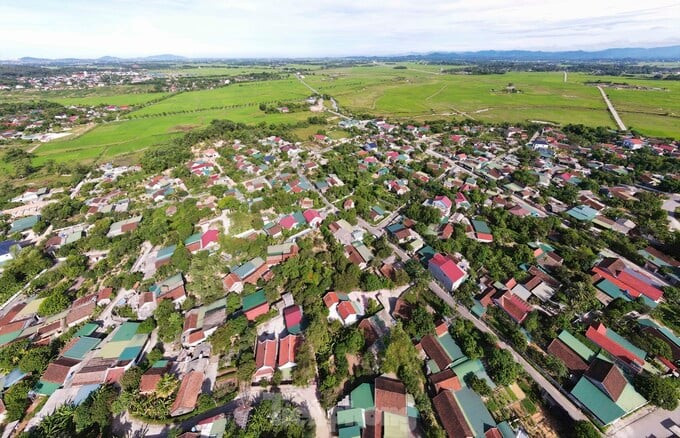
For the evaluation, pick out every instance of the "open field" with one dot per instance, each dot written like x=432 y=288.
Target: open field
x=118 y=99
x=235 y=94
x=112 y=139
x=419 y=93
x=213 y=70
x=117 y=95
x=416 y=92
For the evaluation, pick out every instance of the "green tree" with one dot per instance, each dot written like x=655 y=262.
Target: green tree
x=503 y=369
x=169 y=321
x=584 y=429
x=166 y=386
x=16 y=400
x=659 y=391
x=35 y=360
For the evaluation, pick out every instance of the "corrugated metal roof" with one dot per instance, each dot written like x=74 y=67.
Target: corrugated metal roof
x=476 y=414
x=579 y=347
x=253 y=300
x=597 y=402
x=362 y=397
x=81 y=348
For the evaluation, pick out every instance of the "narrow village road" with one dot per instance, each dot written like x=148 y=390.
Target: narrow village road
x=566 y=404
x=612 y=110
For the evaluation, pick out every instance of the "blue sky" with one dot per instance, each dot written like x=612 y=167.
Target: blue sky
x=287 y=28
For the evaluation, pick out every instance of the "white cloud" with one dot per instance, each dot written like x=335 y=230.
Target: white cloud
x=316 y=28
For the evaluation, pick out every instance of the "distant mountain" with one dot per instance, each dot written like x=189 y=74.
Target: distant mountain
x=162 y=58
x=101 y=60
x=670 y=53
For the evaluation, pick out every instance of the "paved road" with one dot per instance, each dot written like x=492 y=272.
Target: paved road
x=573 y=411
x=670 y=205
x=612 y=110
x=648 y=422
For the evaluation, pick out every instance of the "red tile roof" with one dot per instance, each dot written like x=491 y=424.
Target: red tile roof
x=390 y=395
x=191 y=321
x=345 y=310
x=517 y=308
x=265 y=356
x=451 y=416
x=446 y=379
x=434 y=350
x=448 y=267
x=598 y=334
x=330 y=298
x=58 y=370
x=292 y=316
x=573 y=361
x=609 y=376
x=187 y=396
x=287 y=349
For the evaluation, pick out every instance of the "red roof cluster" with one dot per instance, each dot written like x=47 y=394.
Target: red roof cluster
x=448 y=266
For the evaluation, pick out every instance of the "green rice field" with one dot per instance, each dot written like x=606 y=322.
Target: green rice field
x=416 y=92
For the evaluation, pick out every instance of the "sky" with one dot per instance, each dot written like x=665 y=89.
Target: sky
x=318 y=28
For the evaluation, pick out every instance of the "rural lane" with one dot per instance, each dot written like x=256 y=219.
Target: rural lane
x=612 y=110
x=566 y=404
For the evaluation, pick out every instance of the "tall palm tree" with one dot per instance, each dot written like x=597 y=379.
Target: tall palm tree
x=58 y=424
x=166 y=386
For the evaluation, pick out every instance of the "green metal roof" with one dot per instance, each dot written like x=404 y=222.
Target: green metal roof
x=86 y=330
x=81 y=348
x=192 y=239
x=652 y=258
x=253 y=300
x=646 y=322
x=597 y=402
x=579 y=347
x=349 y=432
x=451 y=348
x=630 y=399
x=125 y=332
x=24 y=224
x=481 y=227
x=476 y=414
x=130 y=353
x=9 y=337
x=611 y=289
x=505 y=430
x=46 y=388
x=472 y=366
x=166 y=252
x=160 y=364
x=639 y=352
x=351 y=417
x=362 y=397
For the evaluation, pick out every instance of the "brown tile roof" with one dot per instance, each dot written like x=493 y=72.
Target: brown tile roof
x=369 y=332
x=451 y=416
x=493 y=433
x=390 y=395
x=573 y=361
x=150 y=379
x=434 y=350
x=446 y=379
x=79 y=313
x=58 y=370
x=187 y=395
x=609 y=376
x=402 y=309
